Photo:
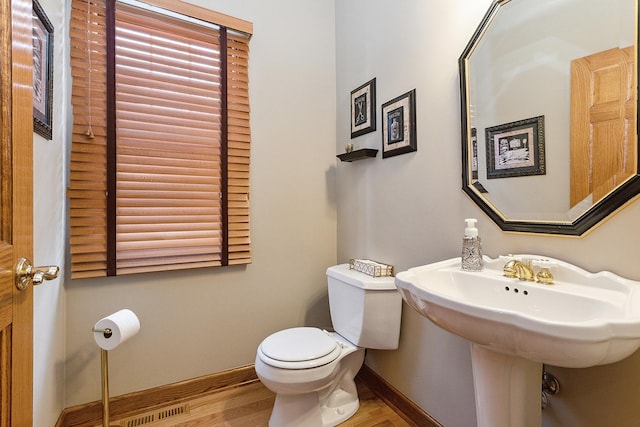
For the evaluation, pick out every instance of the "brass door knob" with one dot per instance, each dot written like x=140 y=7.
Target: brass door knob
x=27 y=274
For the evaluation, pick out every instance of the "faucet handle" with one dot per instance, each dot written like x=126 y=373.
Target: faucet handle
x=544 y=275
x=509 y=269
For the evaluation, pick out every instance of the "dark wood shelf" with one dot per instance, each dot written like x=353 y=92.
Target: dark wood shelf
x=363 y=153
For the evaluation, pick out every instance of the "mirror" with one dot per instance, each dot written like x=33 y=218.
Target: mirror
x=549 y=113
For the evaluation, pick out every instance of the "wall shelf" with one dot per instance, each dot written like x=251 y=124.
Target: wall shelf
x=363 y=153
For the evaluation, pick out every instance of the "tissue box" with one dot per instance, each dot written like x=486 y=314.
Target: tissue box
x=371 y=268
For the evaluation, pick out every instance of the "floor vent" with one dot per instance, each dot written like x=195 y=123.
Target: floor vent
x=163 y=414
x=172 y=412
x=140 y=421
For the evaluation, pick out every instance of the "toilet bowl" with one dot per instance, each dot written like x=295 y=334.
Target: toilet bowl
x=312 y=371
x=319 y=388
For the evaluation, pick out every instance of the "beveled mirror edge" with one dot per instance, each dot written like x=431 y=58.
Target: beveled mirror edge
x=598 y=213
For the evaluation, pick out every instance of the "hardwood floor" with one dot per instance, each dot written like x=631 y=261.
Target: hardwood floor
x=248 y=406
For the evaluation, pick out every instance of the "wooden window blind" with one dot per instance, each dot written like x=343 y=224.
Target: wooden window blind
x=238 y=146
x=87 y=191
x=159 y=171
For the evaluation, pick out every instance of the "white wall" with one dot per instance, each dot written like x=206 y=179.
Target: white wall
x=410 y=206
x=49 y=161
x=409 y=210
x=204 y=321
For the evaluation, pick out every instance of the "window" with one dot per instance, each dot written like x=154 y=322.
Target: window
x=159 y=170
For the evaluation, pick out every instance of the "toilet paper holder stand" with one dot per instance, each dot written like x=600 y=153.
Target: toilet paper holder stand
x=104 y=368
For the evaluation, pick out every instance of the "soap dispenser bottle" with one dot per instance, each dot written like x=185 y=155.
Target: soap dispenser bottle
x=471 y=247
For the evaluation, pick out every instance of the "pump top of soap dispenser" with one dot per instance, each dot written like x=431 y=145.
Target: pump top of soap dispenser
x=471 y=230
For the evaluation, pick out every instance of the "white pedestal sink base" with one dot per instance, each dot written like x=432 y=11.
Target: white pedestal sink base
x=507 y=389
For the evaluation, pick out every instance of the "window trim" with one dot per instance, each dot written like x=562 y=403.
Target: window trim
x=204 y=14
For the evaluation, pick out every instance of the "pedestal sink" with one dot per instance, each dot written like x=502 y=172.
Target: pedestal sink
x=581 y=320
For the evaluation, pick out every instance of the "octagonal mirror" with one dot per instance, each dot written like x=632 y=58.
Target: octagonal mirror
x=549 y=113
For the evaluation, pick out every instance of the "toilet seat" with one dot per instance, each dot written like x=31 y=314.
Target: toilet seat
x=299 y=348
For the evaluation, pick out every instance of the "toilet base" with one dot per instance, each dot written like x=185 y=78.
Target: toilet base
x=305 y=410
x=348 y=406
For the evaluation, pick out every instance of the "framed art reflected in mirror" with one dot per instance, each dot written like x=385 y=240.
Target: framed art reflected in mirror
x=516 y=149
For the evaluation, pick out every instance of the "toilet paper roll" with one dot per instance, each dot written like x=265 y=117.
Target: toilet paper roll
x=123 y=324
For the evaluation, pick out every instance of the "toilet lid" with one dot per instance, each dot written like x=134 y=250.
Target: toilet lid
x=298 y=344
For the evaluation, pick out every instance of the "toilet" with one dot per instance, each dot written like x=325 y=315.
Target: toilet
x=311 y=370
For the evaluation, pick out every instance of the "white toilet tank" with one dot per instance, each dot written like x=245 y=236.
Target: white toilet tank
x=365 y=310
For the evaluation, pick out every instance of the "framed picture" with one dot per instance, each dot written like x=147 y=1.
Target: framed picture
x=363 y=109
x=42 y=72
x=516 y=149
x=399 y=125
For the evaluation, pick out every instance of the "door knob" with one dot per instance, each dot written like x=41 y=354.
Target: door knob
x=27 y=274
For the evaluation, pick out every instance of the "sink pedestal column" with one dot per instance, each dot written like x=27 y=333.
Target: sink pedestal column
x=507 y=389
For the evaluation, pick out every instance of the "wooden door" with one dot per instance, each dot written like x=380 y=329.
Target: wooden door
x=603 y=122
x=16 y=211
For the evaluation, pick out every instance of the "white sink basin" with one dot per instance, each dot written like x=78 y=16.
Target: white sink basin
x=515 y=326
x=582 y=320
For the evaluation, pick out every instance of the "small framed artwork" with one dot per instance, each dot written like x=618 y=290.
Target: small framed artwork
x=516 y=149
x=363 y=109
x=42 y=72
x=399 y=125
